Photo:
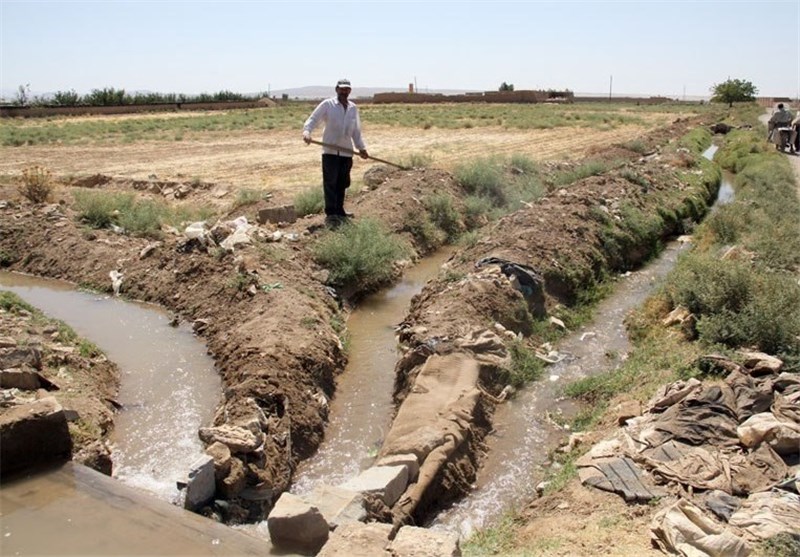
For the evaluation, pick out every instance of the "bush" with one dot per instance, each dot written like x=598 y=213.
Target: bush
x=309 y=202
x=247 y=196
x=484 y=178
x=37 y=185
x=99 y=209
x=476 y=211
x=425 y=233
x=444 y=215
x=360 y=254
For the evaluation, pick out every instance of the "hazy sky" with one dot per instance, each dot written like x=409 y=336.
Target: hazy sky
x=649 y=47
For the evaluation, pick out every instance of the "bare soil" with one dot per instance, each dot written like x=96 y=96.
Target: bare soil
x=264 y=310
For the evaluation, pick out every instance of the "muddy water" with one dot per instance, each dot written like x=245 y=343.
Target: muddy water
x=524 y=429
x=362 y=410
x=169 y=387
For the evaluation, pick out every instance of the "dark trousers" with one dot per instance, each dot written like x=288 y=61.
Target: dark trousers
x=335 y=180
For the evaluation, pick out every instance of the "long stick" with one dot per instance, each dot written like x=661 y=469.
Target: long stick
x=332 y=146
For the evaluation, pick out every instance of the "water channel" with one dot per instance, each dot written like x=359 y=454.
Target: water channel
x=169 y=387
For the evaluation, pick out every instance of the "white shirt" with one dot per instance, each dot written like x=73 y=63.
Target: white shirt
x=342 y=127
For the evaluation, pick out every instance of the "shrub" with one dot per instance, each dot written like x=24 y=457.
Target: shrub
x=360 y=254
x=484 y=178
x=425 y=233
x=143 y=218
x=444 y=215
x=37 y=185
x=476 y=211
x=247 y=196
x=309 y=202
x=99 y=209
x=417 y=160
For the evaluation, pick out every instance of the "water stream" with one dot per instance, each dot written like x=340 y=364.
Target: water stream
x=362 y=409
x=169 y=387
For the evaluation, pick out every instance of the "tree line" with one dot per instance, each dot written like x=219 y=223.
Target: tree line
x=109 y=96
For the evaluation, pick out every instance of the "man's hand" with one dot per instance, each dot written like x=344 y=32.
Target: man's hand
x=363 y=153
x=307 y=138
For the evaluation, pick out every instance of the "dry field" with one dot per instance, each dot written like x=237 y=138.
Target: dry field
x=278 y=160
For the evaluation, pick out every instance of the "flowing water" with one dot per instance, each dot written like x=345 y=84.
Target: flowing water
x=362 y=409
x=169 y=387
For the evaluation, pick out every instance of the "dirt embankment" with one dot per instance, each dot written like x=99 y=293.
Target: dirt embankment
x=270 y=321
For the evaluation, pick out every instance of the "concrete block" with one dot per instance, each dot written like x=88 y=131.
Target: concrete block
x=34 y=433
x=296 y=525
x=338 y=505
x=358 y=540
x=421 y=542
x=200 y=483
x=387 y=482
x=282 y=213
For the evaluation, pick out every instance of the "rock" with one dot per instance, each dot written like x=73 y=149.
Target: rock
x=422 y=542
x=19 y=379
x=19 y=356
x=626 y=410
x=282 y=213
x=359 y=540
x=409 y=460
x=338 y=505
x=7 y=342
x=676 y=316
x=238 y=439
x=758 y=363
x=148 y=249
x=387 y=482
x=376 y=175
x=235 y=481
x=222 y=459
x=34 y=433
x=296 y=525
x=200 y=483
x=558 y=323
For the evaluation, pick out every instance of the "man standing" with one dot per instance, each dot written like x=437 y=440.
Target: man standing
x=342 y=131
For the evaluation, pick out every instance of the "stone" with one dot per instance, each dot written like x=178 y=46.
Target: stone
x=34 y=433
x=759 y=363
x=296 y=525
x=19 y=379
x=411 y=541
x=235 y=481
x=358 y=540
x=19 y=356
x=282 y=213
x=338 y=505
x=222 y=459
x=626 y=410
x=409 y=460
x=237 y=439
x=200 y=483
x=386 y=482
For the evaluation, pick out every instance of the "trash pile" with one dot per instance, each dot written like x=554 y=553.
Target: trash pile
x=729 y=450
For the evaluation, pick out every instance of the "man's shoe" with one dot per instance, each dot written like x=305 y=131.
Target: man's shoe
x=334 y=221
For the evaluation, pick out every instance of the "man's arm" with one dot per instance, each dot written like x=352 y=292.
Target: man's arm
x=357 y=139
x=318 y=115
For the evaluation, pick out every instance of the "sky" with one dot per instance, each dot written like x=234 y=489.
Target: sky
x=678 y=48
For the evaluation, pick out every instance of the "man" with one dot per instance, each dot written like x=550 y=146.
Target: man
x=342 y=131
x=781 y=118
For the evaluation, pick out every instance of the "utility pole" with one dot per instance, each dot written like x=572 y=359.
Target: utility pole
x=610 y=85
